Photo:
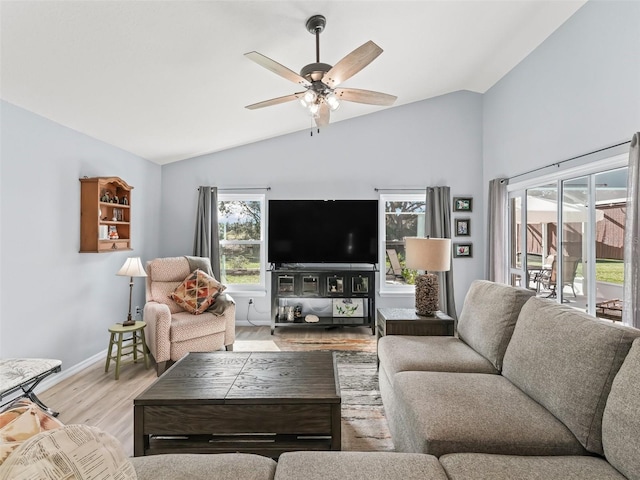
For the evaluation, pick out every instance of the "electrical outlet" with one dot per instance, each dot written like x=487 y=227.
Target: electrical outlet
x=138 y=310
x=250 y=301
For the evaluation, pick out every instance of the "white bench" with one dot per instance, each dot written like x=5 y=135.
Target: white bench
x=25 y=374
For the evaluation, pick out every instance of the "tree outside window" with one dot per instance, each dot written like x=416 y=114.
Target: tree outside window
x=241 y=226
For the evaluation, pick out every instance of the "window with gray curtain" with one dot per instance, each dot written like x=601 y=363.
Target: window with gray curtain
x=206 y=240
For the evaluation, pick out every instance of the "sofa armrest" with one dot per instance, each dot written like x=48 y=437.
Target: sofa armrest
x=158 y=319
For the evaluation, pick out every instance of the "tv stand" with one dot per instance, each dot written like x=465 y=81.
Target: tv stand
x=338 y=297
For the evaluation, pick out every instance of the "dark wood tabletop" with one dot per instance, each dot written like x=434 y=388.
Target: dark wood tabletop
x=239 y=377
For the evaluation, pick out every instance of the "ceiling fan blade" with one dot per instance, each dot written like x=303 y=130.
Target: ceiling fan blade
x=322 y=120
x=352 y=64
x=365 y=96
x=275 y=101
x=276 y=68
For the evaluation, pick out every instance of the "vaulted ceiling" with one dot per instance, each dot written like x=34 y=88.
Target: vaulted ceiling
x=168 y=80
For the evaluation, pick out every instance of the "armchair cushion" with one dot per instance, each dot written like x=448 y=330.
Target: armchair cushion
x=197 y=292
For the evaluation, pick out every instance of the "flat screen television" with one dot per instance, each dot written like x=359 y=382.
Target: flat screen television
x=322 y=231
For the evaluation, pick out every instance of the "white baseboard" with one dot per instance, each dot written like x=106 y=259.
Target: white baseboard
x=69 y=372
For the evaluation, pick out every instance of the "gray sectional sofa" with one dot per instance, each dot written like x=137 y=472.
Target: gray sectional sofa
x=539 y=396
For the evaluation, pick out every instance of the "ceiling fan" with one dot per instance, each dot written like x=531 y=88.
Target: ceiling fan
x=320 y=79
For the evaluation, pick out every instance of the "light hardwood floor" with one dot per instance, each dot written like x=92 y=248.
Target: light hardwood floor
x=93 y=397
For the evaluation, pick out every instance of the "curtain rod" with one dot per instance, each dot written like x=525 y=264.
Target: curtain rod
x=398 y=189
x=557 y=164
x=242 y=188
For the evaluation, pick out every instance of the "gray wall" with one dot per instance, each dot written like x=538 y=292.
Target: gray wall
x=434 y=142
x=54 y=301
x=577 y=92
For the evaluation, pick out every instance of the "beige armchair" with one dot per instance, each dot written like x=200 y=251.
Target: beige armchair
x=172 y=332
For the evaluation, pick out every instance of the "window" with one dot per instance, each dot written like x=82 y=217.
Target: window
x=581 y=262
x=241 y=228
x=402 y=215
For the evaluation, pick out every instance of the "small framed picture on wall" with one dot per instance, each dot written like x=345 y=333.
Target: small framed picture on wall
x=462 y=204
x=463 y=227
x=462 y=250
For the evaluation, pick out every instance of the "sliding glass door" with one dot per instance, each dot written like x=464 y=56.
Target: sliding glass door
x=581 y=263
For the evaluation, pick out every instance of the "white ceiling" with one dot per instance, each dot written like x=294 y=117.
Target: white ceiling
x=167 y=80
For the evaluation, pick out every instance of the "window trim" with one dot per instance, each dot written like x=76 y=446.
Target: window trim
x=391 y=290
x=249 y=197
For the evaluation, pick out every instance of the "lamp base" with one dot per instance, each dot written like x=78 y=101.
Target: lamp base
x=427 y=293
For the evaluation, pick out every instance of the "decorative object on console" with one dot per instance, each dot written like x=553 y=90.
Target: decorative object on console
x=428 y=254
x=132 y=268
x=348 y=307
x=311 y=318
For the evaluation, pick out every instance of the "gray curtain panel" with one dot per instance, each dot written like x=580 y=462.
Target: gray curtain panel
x=496 y=260
x=631 y=308
x=438 y=225
x=206 y=242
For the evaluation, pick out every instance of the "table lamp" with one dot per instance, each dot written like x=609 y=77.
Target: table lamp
x=428 y=254
x=132 y=268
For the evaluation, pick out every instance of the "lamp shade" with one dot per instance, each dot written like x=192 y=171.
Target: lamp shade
x=429 y=254
x=132 y=268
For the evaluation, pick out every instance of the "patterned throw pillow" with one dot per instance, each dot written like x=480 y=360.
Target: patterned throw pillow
x=20 y=421
x=197 y=292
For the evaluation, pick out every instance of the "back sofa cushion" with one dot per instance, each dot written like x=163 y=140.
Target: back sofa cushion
x=566 y=360
x=488 y=316
x=621 y=419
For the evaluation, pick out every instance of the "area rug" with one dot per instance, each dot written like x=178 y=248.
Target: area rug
x=255 y=346
x=332 y=343
x=364 y=427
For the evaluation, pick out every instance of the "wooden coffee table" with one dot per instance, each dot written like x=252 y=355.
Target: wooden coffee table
x=264 y=402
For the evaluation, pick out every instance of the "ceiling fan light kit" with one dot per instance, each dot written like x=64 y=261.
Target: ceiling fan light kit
x=321 y=79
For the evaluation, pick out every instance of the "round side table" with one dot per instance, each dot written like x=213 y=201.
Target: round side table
x=130 y=346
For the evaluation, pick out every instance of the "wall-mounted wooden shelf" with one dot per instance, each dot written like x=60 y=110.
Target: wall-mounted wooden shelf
x=105 y=226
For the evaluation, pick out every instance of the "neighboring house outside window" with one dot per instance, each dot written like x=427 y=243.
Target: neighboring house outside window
x=241 y=228
x=401 y=215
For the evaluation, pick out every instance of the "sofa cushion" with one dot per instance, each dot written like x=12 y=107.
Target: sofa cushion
x=89 y=454
x=478 y=466
x=185 y=326
x=358 y=465
x=197 y=292
x=621 y=419
x=443 y=413
x=488 y=316
x=399 y=353
x=566 y=360
x=191 y=466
